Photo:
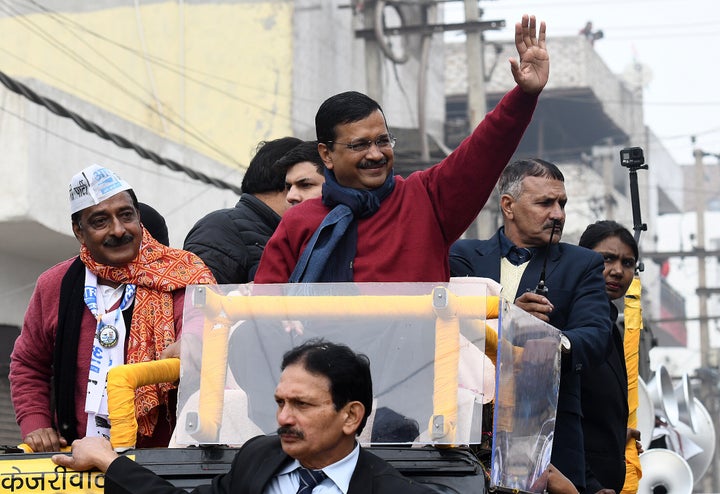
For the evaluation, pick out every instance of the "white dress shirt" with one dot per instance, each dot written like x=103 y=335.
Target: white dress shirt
x=287 y=480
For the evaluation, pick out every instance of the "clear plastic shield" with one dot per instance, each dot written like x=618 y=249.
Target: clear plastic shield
x=426 y=346
x=526 y=401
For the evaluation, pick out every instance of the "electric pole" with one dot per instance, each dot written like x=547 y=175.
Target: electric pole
x=373 y=60
x=700 y=245
x=608 y=178
x=476 y=102
x=477 y=106
x=709 y=390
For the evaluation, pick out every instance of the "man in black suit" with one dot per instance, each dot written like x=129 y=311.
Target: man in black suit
x=526 y=249
x=324 y=398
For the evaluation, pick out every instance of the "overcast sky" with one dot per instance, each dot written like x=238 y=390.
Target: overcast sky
x=677 y=40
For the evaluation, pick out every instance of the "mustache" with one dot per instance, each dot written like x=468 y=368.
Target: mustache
x=118 y=241
x=372 y=163
x=557 y=225
x=289 y=431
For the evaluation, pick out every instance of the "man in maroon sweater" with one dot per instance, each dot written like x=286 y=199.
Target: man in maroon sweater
x=370 y=225
x=119 y=301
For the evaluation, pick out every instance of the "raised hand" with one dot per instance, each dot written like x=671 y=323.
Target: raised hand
x=532 y=71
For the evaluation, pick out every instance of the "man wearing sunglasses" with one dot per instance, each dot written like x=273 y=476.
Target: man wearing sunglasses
x=371 y=225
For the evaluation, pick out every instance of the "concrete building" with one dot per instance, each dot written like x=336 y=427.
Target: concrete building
x=200 y=82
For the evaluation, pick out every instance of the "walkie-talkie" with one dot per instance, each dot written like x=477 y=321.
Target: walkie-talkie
x=541 y=289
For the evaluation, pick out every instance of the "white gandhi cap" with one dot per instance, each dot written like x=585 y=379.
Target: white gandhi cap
x=93 y=185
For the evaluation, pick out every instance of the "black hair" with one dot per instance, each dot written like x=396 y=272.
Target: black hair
x=510 y=181
x=305 y=151
x=600 y=230
x=347 y=371
x=75 y=217
x=261 y=176
x=154 y=223
x=342 y=108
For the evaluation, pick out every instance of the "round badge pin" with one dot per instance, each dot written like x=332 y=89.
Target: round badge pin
x=108 y=336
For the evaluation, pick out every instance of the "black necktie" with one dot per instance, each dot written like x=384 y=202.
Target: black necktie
x=309 y=479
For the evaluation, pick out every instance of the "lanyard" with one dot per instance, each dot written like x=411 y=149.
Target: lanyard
x=106 y=334
x=106 y=353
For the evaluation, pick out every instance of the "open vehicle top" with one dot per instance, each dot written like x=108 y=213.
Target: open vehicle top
x=442 y=357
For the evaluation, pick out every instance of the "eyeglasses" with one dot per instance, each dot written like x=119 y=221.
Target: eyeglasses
x=381 y=142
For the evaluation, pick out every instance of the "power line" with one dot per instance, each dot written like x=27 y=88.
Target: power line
x=64 y=83
x=120 y=141
x=183 y=202
x=168 y=65
x=83 y=62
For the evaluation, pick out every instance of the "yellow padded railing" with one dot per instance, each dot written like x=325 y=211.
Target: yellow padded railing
x=121 y=384
x=221 y=310
x=301 y=307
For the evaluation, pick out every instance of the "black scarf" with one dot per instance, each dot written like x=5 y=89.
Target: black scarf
x=67 y=337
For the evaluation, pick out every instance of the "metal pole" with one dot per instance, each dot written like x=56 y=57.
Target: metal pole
x=608 y=179
x=477 y=107
x=700 y=244
x=425 y=44
x=373 y=61
x=709 y=393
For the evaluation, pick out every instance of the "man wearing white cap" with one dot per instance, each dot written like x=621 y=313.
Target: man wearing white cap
x=119 y=301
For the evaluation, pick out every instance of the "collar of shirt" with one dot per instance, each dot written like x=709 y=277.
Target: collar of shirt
x=508 y=250
x=339 y=472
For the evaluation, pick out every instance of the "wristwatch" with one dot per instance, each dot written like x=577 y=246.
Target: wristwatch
x=565 y=345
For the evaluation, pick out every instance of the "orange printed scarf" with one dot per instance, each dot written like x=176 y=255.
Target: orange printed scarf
x=157 y=272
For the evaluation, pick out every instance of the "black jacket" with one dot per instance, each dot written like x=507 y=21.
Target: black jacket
x=231 y=241
x=605 y=416
x=252 y=469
